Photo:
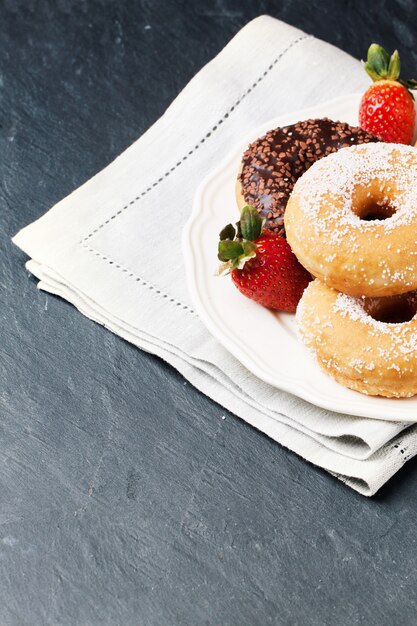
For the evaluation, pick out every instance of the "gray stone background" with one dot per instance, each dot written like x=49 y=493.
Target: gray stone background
x=125 y=497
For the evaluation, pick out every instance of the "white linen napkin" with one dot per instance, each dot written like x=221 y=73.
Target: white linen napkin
x=113 y=249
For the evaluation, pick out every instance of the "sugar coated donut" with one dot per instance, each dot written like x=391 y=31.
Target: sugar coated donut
x=352 y=220
x=366 y=344
x=273 y=163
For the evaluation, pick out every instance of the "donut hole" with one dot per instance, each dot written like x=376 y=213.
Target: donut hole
x=372 y=202
x=375 y=210
x=392 y=309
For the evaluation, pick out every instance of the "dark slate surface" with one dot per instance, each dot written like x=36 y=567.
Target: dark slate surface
x=125 y=498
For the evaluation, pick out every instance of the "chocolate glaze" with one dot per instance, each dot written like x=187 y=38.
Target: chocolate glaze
x=272 y=164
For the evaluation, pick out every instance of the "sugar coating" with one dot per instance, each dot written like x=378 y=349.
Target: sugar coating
x=325 y=197
x=403 y=336
x=353 y=308
x=339 y=175
x=382 y=348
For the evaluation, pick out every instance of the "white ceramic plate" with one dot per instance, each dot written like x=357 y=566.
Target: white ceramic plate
x=263 y=341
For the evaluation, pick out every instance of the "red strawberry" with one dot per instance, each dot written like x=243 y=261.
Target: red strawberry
x=387 y=107
x=262 y=264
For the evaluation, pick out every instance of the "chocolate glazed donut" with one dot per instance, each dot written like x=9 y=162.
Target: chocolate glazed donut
x=272 y=164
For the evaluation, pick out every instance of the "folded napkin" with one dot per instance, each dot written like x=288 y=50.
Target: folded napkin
x=112 y=247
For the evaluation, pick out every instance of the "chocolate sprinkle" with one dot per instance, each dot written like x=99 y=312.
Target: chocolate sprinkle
x=272 y=164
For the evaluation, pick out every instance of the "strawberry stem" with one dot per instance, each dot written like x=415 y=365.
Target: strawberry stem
x=236 y=246
x=380 y=66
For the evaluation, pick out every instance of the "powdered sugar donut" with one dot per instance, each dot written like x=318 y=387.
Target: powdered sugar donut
x=366 y=344
x=352 y=219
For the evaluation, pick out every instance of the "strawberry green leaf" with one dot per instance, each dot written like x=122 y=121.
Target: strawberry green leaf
x=229 y=250
x=228 y=232
x=377 y=62
x=394 y=66
x=250 y=223
x=368 y=69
